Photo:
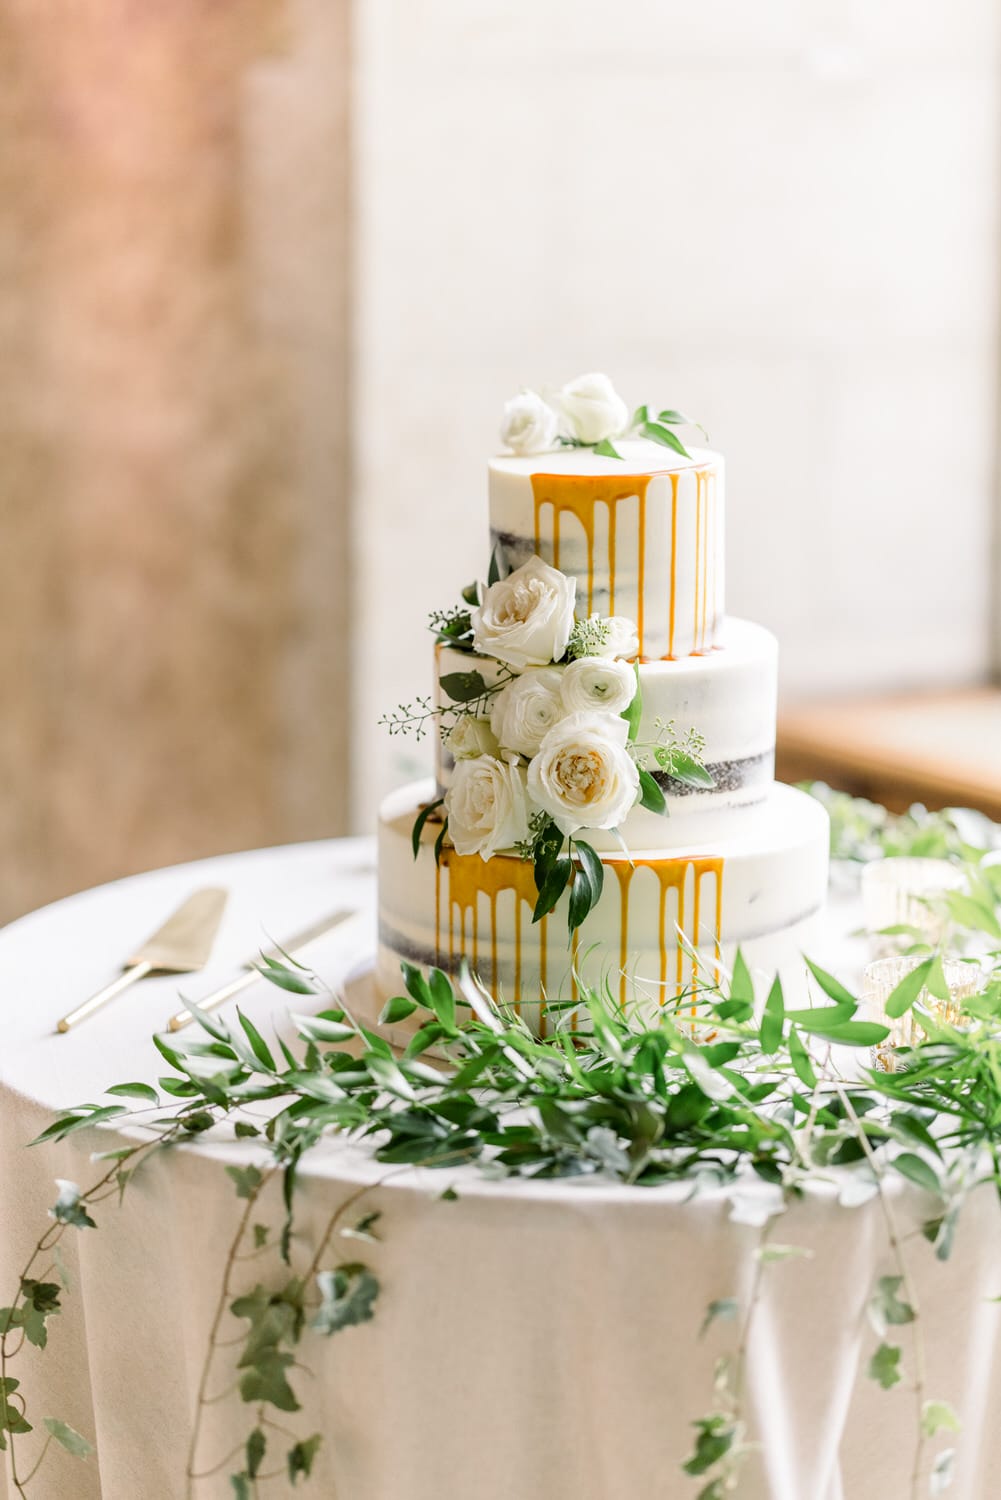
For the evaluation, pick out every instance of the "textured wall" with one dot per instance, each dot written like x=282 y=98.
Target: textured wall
x=173 y=348
x=783 y=217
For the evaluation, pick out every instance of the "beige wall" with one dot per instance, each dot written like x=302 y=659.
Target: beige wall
x=782 y=217
x=173 y=458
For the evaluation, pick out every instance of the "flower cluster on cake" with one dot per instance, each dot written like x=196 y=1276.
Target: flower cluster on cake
x=604 y=809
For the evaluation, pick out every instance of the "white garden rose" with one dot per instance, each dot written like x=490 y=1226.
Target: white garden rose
x=526 y=709
x=528 y=424
x=599 y=684
x=593 y=409
x=621 y=638
x=469 y=737
x=486 y=805
x=583 y=776
x=525 y=619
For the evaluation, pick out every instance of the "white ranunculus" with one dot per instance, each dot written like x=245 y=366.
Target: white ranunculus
x=621 y=638
x=598 y=684
x=525 y=619
x=583 y=775
x=486 y=806
x=469 y=737
x=593 y=409
x=529 y=425
x=526 y=709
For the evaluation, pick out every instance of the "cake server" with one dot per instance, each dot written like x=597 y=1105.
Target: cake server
x=253 y=974
x=180 y=946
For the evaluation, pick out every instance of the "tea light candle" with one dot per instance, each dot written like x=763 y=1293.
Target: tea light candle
x=902 y=891
x=880 y=979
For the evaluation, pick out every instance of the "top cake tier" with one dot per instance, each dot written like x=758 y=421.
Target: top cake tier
x=643 y=535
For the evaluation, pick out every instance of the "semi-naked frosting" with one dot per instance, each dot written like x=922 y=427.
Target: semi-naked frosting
x=742 y=863
x=642 y=535
x=728 y=695
x=758 y=889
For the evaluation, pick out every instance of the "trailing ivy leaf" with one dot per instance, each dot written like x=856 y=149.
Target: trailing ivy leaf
x=68 y=1208
x=266 y=1380
x=886 y=1308
x=773 y=1019
x=607 y=449
x=721 y=1309
x=261 y=1233
x=938 y=1416
x=396 y=1009
x=347 y=1297
x=634 y=713
x=256 y=1447
x=463 y=687
x=301 y=1456
x=247 y=1179
x=714 y=1439
x=240 y=1484
x=689 y=771
x=918 y=1171
x=419 y=821
x=365 y=1228
x=884 y=1366
x=11 y=1418
x=553 y=887
x=67 y=1437
x=663 y=435
x=940 y=1478
x=903 y=995
x=449 y=1196
x=651 y=796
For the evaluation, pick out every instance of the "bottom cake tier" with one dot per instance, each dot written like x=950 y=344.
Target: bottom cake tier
x=757 y=891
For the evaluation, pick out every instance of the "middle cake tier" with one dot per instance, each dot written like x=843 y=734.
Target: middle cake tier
x=728 y=696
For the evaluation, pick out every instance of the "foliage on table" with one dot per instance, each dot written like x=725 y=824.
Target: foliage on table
x=750 y=1101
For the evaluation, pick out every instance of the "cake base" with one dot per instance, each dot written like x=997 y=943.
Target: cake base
x=666 y=921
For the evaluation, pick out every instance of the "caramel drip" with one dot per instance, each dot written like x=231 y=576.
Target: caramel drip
x=699 y=503
x=674 y=563
x=468 y=877
x=579 y=495
x=671 y=875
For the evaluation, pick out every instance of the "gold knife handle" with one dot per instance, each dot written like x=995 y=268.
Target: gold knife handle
x=217 y=998
x=131 y=974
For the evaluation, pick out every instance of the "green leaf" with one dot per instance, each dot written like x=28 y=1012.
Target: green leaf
x=918 y=1171
x=68 y=1438
x=634 y=713
x=294 y=981
x=258 y=1045
x=663 y=435
x=442 y=999
x=651 y=796
x=721 y=1309
x=463 y=687
x=832 y=987
x=773 y=1019
x=419 y=821
x=322 y=1029
x=968 y=911
x=499 y=568
x=247 y=1179
x=938 y=1416
x=301 y=1456
x=135 y=1091
x=886 y=1308
x=640 y=415
x=607 y=449
x=256 y=1447
x=439 y=843
x=553 y=886
x=347 y=1297
x=713 y=1442
x=266 y=1380
x=240 y=1485
x=68 y=1208
x=847 y=1033
x=903 y=996
x=689 y=771
x=801 y=1062
x=884 y=1367
x=396 y=1009
x=588 y=878
x=675 y=419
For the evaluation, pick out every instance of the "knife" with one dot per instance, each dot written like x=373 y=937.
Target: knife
x=180 y=946
x=244 y=981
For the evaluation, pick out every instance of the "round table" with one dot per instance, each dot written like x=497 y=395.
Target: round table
x=531 y=1341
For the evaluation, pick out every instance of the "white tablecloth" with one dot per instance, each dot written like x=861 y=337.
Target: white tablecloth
x=531 y=1341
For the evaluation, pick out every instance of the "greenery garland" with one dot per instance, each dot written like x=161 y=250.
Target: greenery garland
x=719 y=1092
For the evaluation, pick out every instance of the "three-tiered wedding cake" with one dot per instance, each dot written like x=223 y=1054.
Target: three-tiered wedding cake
x=606 y=755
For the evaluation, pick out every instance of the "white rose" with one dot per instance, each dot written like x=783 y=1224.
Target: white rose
x=526 y=709
x=469 y=737
x=486 y=806
x=598 y=684
x=528 y=425
x=583 y=776
x=593 y=408
x=525 y=619
x=621 y=638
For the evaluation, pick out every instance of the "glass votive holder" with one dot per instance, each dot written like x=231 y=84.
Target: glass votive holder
x=903 y=892
x=881 y=977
